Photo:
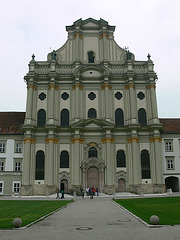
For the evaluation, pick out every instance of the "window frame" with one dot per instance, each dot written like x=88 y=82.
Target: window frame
x=120 y=159
x=2 y=192
x=172 y=164
x=3 y=148
x=168 y=148
x=64 y=159
x=2 y=168
x=19 y=167
x=18 y=149
x=18 y=187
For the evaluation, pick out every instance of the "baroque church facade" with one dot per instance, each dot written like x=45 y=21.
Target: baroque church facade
x=91 y=117
x=91 y=121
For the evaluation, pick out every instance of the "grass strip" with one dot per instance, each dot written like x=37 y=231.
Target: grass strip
x=166 y=208
x=27 y=210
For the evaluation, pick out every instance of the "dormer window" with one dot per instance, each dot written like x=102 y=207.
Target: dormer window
x=91 y=57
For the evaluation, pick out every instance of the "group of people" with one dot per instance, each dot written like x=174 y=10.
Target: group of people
x=90 y=191
x=58 y=192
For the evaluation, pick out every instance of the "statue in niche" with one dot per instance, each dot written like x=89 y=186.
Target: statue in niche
x=91 y=56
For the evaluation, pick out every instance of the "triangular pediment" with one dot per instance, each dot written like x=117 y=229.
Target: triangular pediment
x=92 y=124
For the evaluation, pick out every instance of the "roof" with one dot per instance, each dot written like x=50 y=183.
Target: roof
x=170 y=125
x=10 y=122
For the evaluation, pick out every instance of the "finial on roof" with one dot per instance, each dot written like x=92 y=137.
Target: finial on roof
x=149 y=57
x=33 y=57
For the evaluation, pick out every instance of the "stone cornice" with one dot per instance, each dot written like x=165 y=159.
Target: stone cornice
x=107 y=140
x=51 y=140
x=77 y=140
x=133 y=139
x=29 y=140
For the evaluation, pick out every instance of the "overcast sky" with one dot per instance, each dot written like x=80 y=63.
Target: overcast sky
x=35 y=26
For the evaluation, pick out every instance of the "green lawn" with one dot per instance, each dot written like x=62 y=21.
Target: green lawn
x=167 y=208
x=27 y=210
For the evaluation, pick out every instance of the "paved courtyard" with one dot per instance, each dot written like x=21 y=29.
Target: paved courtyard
x=98 y=218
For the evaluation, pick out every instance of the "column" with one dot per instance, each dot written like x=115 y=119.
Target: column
x=135 y=164
x=27 y=161
x=132 y=100
x=76 y=161
x=107 y=87
x=29 y=104
x=77 y=87
x=153 y=161
x=153 y=101
x=109 y=158
x=51 y=102
x=105 y=36
x=158 y=159
x=50 y=161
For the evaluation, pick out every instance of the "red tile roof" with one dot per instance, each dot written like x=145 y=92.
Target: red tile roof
x=170 y=125
x=10 y=122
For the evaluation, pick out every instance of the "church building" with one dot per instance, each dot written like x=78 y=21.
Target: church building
x=91 y=118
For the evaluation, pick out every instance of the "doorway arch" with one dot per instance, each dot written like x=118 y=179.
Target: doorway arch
x=121 y=185
x=173 y=183
x=93 y=177
x=64 y=185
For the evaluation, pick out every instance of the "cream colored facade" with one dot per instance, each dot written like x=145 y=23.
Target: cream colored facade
x=93 y=103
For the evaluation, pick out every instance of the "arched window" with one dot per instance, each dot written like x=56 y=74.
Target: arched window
x=92 y=152
x=64 y=159
x=39 y=174
x=121 y=158
x=64 y=118
x=142 y=119
x=92 y=113
x=41 y=118
x=145 y=164
x=119 y=117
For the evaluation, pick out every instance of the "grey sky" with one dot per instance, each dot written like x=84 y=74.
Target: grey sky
x=145 y=26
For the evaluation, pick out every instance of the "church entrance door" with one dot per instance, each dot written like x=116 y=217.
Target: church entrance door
x=121 y=185
x=64 y=185
x=93 y=177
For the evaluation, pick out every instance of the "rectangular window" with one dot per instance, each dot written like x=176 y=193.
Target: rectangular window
x=16 y=187
x=18 y=147
x=1 y=187
x=170 y=163
x=17 y=166
x=2 y=147
x=1 y=166
x=169 y=146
